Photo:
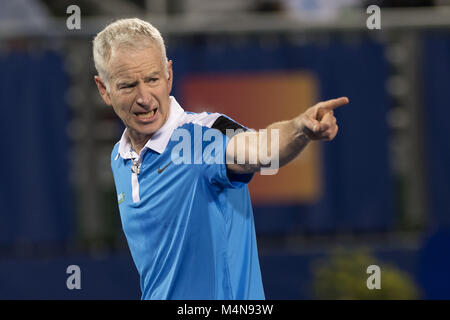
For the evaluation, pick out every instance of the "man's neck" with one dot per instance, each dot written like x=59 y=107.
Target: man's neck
x=137 y=142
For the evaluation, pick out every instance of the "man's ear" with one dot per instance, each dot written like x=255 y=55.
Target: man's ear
x=102 y=89
x=170 y=74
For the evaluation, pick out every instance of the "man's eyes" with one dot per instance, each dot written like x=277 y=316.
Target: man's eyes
x=132 y=85
x=153 y=79
x=125 y=86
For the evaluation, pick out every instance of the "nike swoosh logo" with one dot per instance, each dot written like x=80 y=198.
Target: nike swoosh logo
x=160 y=170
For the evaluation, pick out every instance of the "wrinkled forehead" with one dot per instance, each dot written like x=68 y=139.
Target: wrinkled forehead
x=128 y=61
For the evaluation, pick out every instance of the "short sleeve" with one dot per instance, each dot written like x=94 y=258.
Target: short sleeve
x=217 y=172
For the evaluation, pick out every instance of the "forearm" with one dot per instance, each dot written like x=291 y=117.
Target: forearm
x=269 y=148
x=282 y=141
x=292 y=140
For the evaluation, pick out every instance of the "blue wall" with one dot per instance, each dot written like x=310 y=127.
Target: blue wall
x=285 y=276
x=37 y=198
x=35 y=192
x=435 y=256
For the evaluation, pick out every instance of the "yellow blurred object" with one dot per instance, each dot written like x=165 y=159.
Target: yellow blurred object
x=343 y=276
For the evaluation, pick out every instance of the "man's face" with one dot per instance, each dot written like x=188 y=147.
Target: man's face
x=139 y=90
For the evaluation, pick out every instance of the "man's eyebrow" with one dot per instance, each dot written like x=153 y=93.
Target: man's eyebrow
x=128 y=83
x=151 y=75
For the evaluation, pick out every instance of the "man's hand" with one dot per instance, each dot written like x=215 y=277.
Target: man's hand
x=318 y=122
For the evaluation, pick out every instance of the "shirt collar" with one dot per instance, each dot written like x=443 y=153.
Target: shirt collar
x=158 y=142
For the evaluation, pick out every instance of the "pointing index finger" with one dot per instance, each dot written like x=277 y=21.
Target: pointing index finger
x=329 y=105
x=334 y=103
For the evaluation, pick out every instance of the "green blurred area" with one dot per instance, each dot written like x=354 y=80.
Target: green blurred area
x=343 y=276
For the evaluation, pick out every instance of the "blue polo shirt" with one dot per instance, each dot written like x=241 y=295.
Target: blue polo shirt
x=188 y=222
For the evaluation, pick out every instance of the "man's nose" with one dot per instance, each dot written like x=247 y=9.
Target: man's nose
x=144 y=97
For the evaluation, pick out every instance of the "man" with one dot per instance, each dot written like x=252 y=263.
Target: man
x=189 y=225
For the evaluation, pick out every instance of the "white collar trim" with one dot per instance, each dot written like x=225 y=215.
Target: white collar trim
x=160 y=139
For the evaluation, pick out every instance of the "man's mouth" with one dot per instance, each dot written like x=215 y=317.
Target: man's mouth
x=146 y=116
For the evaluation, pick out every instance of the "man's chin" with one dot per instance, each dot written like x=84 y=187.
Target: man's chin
x=146 y=130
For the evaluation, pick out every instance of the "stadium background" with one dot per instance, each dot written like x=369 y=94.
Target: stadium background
x=381 y=187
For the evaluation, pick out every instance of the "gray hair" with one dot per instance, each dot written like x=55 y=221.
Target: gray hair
x=131 y=33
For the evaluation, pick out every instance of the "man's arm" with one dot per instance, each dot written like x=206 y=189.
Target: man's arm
x=316 y=123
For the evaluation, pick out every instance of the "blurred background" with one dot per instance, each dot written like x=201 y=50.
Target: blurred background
x=377 y=194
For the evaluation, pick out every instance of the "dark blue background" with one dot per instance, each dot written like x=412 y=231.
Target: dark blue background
x=37 y=199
